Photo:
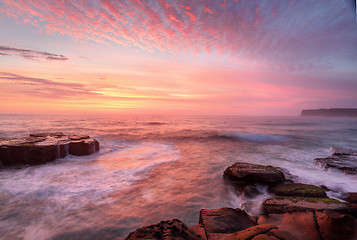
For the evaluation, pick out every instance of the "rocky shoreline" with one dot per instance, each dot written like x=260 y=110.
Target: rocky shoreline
x=40 y=148
x=296 y=211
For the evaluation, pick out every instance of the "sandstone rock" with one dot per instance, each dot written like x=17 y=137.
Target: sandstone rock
x=251 y=232
x=313 y=225
x=198 y=230
x=301 y=225
x=288 y=204
x=247 y=173
x=224 y=220
x=298 y=189
x=350 y=197
x=44 y=147
x=264 y=237
x=165 y=230
x=281 y=234
x=28 y=154
x=83 y=147
x=336 y=226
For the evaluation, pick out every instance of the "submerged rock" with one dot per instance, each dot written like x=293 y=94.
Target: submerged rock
x=165 y=230
x=44 y=147
x=342 y=159
x=288 y=204
x=343 y=151
x=247 y=173
x=299 y=190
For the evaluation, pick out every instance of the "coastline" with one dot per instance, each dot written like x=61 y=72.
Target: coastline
x=296 y=211
x=157 y=168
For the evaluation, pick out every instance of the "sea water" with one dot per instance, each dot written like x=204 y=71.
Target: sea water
x=153 y=168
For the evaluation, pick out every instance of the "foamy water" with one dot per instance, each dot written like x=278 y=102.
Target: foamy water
x=156 y=168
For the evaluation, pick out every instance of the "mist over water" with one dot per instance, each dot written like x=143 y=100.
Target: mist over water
x=157 y=168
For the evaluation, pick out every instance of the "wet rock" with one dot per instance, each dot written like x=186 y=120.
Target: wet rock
x=83 y=147
x=252 y=232
x=343 y=151
x=342 y=159
x=288 y=204
x=352 y=209
x=45 y=135
x=336 y=226
x=198 y=230
x=223 y=221
x=350 y=197
x=28 y=154
x=246 y=191
x=165 y=230
x=301 y=225
x=289 y=177
x=40 y=148
x=298 y=189
x=247 y=173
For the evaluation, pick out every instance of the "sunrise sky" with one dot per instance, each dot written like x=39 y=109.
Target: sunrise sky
x=244 y=57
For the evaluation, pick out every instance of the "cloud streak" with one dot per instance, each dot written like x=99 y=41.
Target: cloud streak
x=302 y=34
x=19 y=79
x=31 y=54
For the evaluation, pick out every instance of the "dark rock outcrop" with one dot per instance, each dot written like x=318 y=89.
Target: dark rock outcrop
x=223 y=221
x=313 y=225
x=298 y=189
x=336 y=226
x=165 y=230
x=345 y=162
x=44 y=147
x=332 y=112
x=350 y=197
x=247 y=173
x=279 y=205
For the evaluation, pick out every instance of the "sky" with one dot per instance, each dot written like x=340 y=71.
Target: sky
x=211 y=57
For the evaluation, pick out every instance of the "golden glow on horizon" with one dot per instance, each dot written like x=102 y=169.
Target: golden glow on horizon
x=191 y=58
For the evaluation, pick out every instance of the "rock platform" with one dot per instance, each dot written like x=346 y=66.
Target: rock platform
x=40 y=148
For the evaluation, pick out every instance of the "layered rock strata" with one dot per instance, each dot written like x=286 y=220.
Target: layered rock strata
x=44 y=147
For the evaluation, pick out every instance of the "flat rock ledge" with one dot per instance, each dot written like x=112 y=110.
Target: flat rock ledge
x=44 y=147
x=298 y=189
x=234 y=224
x=289 y=204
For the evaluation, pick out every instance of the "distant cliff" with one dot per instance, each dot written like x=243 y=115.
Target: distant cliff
x=332 y=112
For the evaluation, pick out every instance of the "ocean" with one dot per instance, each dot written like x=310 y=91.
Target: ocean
x=153 y=168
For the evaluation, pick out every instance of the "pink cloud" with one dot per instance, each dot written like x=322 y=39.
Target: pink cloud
x=286 y=34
